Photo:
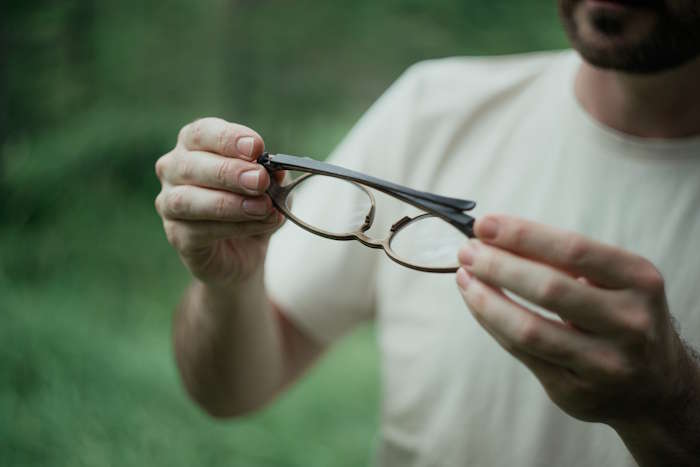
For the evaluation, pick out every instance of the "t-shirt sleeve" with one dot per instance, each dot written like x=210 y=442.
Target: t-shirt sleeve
x=327 y=287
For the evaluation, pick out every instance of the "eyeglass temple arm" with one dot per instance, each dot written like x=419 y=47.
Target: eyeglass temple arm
x=287 y=162
x=449 y=209
x=463 y=222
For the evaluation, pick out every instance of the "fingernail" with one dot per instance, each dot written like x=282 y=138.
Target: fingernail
x=245 y=145
x=463 y=279
x=255 y=207
x=487 y=228
x=466 y=255
x=250 y=179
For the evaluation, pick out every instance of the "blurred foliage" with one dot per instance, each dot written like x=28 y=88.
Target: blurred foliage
x=91 y=93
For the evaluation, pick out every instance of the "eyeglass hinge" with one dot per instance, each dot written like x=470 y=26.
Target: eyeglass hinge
x=400 y=223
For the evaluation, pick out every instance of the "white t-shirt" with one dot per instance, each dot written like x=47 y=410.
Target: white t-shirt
x=509 y=133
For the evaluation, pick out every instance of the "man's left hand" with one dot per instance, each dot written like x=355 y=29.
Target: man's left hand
x=614 y=356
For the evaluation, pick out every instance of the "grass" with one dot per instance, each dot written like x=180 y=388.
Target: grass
x=88 y=377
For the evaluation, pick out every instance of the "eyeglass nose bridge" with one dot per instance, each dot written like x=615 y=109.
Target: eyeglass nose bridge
x=370 y=242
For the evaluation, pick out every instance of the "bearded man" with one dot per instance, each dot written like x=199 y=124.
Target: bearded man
x=587 y=278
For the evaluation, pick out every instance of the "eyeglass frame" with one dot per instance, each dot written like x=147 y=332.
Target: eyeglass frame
x=451 y=210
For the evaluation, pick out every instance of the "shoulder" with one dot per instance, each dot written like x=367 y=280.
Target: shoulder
x=439 y=98
x=476 y=68
x=481 y=73
x=456 y=82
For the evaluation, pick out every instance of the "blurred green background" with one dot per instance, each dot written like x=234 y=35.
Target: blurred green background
x=91 y=93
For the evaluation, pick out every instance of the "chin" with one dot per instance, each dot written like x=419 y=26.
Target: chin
x=634 y=37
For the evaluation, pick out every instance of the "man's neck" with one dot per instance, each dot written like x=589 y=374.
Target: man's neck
x=664 y=105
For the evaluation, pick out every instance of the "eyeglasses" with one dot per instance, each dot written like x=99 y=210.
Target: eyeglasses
x=426 y=242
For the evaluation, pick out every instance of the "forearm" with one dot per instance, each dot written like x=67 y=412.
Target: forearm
x=671 y=434
x=228 y=346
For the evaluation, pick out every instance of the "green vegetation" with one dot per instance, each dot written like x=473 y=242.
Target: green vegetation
x=92 y=93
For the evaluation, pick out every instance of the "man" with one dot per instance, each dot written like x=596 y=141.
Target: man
x=601 y=155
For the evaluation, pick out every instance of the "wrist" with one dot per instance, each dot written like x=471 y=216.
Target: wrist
x=235 y=294
x=229 y=285
x=666 y=429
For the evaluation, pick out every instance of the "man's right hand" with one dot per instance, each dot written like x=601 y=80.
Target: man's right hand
x=213 y=204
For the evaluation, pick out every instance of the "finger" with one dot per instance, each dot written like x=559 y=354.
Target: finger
x=605 y=265
x=222 y=137
x=588 y=307
x=520 y=330
x=187 y=202
x=551 y=375
x=214 y=171
x=193 y=235
x=281 y=176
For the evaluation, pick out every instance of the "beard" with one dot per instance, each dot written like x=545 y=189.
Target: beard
x=644 y=37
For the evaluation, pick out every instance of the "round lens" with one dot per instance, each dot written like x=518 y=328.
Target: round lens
x=428 y=242
x=331 y=204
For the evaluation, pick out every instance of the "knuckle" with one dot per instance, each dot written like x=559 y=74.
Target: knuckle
x=226 y=173
x=477 y=300
x=551 y=291
x=491 y=266
x=158 y=203
x=185 y=168
x=639 y=323
x=198 y=132
x=650 y=279
x=160 y=166
x=182 y=134
x=192 y=133
x=528 y=333
x=226 y=140
x=612 y=366
x=223 y=207
x=575 y=251
x=176 y=203
x=181 y=236
x=519 y=236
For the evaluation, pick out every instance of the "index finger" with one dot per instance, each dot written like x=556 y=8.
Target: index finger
x=605 y=265
x=221 y=137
